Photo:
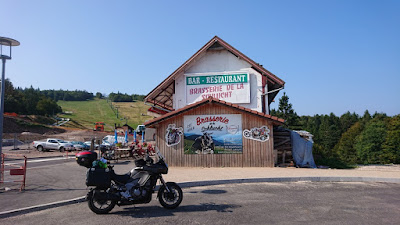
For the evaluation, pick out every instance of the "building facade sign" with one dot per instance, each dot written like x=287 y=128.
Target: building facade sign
x=213 y=134
x=257 y=133
x=232 y=87
x=173 y=135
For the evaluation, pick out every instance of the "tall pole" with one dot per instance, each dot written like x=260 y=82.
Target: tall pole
x=2 y=103
x=8 y=42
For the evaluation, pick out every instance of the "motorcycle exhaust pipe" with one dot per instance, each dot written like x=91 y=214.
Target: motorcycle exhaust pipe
x=113 y=196
x=107 y=196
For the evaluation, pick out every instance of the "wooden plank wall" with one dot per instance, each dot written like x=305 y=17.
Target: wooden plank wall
x=255 y=153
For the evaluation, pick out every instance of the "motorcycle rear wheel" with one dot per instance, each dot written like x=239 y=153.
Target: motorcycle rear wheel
x=172 y=199
x=100 y=206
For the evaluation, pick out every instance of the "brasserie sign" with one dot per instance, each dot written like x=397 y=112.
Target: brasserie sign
x=234 y=87
x=213 y=134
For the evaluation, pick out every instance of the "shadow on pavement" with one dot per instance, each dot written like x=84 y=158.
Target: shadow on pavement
x=158 y=211
x=213 y=192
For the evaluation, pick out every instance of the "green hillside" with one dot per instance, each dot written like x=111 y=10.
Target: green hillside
x=84 y=114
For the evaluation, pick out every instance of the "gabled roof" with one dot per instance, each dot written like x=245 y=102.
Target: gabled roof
x=274 y=119
x=157 y=110
x=162 y=94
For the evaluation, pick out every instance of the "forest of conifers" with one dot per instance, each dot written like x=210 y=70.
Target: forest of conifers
x=31 y=101
x=349 y=139
x=339 y=141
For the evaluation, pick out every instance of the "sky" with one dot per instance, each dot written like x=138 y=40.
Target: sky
x=335 y=56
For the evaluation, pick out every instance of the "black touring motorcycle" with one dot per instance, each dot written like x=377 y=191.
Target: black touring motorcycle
x=109 y=188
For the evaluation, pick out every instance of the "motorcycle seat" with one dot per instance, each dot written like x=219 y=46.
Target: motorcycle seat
x=124 y=178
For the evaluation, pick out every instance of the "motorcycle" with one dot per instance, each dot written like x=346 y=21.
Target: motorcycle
x=107 y=152
x=109 y=186
x=257 y=133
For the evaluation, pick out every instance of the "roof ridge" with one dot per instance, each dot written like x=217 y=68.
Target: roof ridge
x=270 y=76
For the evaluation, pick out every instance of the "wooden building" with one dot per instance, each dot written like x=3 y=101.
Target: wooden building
x=254 y=152
x=213 y=111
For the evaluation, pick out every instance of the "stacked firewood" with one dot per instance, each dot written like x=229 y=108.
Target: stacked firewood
x=282 y=147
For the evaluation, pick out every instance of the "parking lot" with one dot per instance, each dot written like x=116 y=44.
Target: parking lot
x=365 y=195
x=255 y=203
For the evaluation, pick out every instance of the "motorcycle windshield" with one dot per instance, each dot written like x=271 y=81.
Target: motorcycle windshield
x=160 y=156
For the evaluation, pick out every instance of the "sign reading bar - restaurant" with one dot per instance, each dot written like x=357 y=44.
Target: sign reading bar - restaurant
x=232 y=87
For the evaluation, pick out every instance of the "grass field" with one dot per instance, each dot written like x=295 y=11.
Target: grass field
x=84 y=114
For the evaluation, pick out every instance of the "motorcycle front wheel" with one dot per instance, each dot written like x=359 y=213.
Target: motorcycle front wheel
x=100 y=205
x=172 y=198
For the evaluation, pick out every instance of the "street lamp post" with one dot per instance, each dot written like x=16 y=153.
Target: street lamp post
x=4 y=43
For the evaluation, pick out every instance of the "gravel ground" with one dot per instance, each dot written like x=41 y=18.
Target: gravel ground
x=390 y=170
x=31 y=152
x=28 y=150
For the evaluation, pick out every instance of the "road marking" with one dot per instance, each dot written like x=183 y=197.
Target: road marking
x=42 y=206
x=39 y=160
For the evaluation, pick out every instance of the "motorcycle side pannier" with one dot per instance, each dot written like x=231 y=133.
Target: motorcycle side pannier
x=98 y=177
x=86 y=158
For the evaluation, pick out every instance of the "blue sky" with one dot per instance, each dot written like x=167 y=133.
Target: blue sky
x=335 y=56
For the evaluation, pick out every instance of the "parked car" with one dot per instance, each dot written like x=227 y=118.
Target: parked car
x=106 y=143
x=79 y=146
x=140 y=129
x=52 y=144
x=88 y=143
x=110 y=139
x=149 y=133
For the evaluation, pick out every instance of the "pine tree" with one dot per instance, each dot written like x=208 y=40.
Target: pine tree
x=99 y=95
x=328 y=134
x=391 y=146
x=347 y=120
x=345 y=149
x=286 y=112
x=366 y=117
x=369 y=142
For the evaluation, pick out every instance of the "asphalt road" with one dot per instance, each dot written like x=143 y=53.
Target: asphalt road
x=256 y=203
x=38 y=162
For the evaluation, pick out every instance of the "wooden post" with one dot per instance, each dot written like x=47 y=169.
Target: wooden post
x=284 y=156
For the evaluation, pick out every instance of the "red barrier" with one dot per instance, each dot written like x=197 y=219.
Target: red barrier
x=10 y=114
x=67 y=154
x=18 y=171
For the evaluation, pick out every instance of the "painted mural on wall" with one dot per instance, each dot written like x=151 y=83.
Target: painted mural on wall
x=213 y=134
x=257 y=133
x=173 y=135
x=232 y=87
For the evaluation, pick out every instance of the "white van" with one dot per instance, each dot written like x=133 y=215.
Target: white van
x=110 y=139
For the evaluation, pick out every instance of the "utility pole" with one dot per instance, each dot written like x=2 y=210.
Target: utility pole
x=4 y=42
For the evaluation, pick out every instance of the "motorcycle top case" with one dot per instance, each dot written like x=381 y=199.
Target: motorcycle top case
x=86 y=158
x=98 y=177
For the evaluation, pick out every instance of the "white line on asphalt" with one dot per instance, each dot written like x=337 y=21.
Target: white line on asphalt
x=43 y=206
x=39 y=160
